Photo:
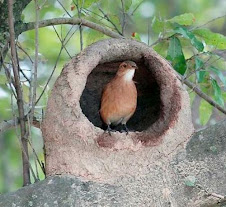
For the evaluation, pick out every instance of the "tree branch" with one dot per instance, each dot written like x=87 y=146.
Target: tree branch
x=123 y=17
x=108 y=19
x=80 y=26
x=33 y=84
x=201 y=94
x=73 y=21
x=20 y=103
x=8 y=124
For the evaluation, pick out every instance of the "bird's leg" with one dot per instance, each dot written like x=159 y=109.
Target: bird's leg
x=127 y=130
x=109 y=129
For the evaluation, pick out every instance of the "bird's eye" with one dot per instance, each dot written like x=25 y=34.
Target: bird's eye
x=124 y=65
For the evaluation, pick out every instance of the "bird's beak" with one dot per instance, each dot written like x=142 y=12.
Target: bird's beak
x=136 y=68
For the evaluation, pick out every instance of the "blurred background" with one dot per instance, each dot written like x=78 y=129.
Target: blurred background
x=52 y=57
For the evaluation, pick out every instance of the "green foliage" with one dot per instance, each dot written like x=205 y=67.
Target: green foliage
x=86 y=3
x=128 y=4
x=215 y=39
x=218 y=73
x=183 y=19
x=174 y=32
x=168 y=25
x=176 y=56
x=161 y=48
x=217 y=92
x=3 y=79
x=200 y=73
x=93 y=36
x=188 y=34
x=160 y=25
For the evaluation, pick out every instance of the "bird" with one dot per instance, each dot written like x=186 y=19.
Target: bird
x=119 y=97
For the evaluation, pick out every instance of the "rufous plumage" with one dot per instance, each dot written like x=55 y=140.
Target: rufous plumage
x=119 y=97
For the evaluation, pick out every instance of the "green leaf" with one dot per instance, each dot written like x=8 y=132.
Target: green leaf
x=176 y=56
x=161 y=48
x=93 y=36
x=3 y=79
x=217 y=92
x=211 y=38
x=198 y=63
x=205 y=111
x=183 y=19
x=159 y=25
x=188 y=34
x=200 y=73
x=218 y=73
x=190 y=181
x=114 y=18
x=127 y=4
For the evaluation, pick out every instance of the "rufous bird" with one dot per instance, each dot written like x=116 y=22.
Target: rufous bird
x=119 y=97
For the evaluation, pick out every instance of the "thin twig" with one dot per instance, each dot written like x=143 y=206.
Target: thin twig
x=24 y=75
x=47 y=83
x=205 y=65
x=36 y=156
x=4 y=51
x=108 y=19
x=212 y=20
x=8 y=124
x=162 y=39
x=86 y=11
x=30 y=142
x=148 y=33
x=34 y=78
x=20 y=102
x=64 y=8
x=35 y=70
x=136 y=8
x=210 y=193
x=61 y=40
x=80 y=26
x=201 y=94
x=10 y=79
x=123 y=18
x=25 y=52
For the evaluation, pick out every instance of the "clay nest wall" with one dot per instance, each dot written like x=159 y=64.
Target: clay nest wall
x=74 y=135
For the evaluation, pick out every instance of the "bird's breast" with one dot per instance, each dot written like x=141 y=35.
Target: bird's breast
x=118 y=100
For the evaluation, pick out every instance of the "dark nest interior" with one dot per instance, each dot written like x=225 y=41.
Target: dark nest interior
x=148 y=102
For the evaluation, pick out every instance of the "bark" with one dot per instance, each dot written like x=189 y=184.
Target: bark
x=18 y=9
x=4 y=26
x=163 y=186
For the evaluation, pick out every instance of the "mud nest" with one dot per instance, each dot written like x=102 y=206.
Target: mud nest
x=75 y=101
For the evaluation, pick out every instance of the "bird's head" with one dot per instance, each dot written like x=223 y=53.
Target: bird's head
x=127 y=70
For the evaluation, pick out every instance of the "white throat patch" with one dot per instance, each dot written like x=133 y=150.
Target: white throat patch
x=129 y=75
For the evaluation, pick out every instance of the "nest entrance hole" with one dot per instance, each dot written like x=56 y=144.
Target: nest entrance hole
x=148 y=101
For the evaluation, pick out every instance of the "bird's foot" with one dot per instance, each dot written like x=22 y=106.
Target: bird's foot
x=109 y=130
x=126 y=129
